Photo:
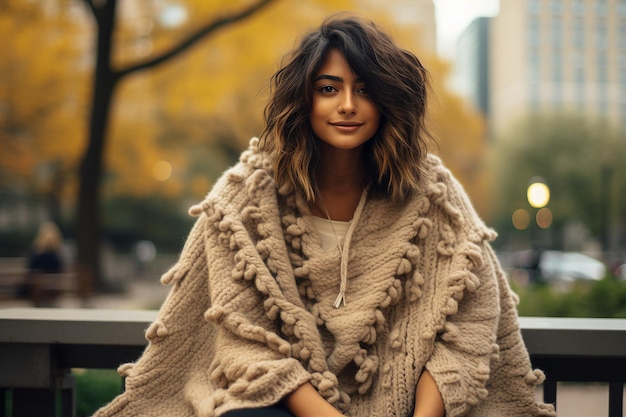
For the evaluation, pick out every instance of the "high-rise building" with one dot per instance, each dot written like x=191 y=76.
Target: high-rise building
x=559 y=56
x=471 y=69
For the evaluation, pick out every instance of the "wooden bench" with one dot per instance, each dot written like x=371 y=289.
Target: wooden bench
x=41 y=289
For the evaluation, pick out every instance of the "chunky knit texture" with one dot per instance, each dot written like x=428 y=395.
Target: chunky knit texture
x=250 y=315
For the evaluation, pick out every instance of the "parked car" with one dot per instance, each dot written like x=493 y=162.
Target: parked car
x=570 y=266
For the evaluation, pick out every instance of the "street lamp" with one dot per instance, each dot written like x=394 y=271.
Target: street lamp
x=538 y=195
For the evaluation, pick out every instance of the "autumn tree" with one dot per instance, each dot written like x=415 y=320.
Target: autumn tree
x=106 y=79
x=41 y=105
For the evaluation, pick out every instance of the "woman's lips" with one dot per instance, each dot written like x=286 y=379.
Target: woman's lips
x=346 y=126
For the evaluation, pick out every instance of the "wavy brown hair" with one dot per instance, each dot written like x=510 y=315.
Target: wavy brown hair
x=396 y=81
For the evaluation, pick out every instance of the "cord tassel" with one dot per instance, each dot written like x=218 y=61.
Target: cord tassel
x=341 y=298
x=343 y=270
x=345 y=252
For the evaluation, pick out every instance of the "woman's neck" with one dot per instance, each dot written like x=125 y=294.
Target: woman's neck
x=340 y=178
x=340 y=168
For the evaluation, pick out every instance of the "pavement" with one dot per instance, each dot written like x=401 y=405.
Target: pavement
x=583 y=400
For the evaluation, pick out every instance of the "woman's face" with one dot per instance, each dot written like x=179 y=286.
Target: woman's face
x=342 y=115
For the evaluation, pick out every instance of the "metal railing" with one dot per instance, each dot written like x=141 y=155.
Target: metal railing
x=39 y=347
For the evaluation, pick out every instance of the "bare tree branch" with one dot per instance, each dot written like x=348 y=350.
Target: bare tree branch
x=193 y=38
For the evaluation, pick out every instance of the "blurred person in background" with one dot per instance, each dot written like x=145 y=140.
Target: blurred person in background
x=46 y=254
x=45 y=258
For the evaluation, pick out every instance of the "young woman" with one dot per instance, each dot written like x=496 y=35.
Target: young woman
x=338 y=268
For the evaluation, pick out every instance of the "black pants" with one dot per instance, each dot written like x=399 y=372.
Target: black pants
x=273 y=411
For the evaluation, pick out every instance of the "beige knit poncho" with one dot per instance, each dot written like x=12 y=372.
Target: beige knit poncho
x=250 y=316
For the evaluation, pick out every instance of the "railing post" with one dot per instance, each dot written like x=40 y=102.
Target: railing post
x=616 y=399
x=549 y=392
x=67 y=395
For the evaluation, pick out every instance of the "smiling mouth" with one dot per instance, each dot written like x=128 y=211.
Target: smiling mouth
x=346 y=127
x=346 y=124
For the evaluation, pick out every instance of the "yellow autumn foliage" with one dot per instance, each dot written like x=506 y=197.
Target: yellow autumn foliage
x=42 y=94
x=179 y=112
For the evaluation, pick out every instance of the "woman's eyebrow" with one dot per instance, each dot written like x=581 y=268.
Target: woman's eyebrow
x=328 y=77
x=333 y=78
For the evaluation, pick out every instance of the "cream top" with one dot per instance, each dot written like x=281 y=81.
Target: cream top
x=324 y=229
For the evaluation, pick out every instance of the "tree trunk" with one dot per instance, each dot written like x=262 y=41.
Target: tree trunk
x=89 y=230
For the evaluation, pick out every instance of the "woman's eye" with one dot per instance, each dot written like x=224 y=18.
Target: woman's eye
x=362 y=90
x=327 y=89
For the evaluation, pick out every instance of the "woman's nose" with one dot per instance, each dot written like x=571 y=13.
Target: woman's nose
x=347 y=104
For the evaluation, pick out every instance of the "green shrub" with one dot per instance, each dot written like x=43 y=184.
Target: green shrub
x=94 y=388
x=604 y=298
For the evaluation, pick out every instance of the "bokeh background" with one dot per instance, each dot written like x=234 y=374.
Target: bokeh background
x=116 y=116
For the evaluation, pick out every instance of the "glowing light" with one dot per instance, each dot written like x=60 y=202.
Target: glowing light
x=162 y=170
x=538 y=194
x=520 y=219
x=544 y=218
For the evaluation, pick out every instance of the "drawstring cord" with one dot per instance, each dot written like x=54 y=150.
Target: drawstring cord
x=345 y=250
